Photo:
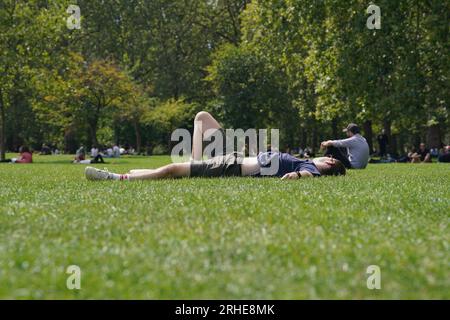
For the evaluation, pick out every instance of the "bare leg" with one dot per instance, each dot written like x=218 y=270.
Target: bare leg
x=203 y=122
x=171 y=171
x=141 y=171
x=415 y=158
x=427 y=158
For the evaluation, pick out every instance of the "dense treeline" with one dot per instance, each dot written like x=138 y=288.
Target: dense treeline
x=137 y=69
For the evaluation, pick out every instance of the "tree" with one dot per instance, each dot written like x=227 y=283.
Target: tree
x=29 y=33
x=83 y=92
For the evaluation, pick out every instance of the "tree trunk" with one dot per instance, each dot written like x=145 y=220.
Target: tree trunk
x=314 y=138
x=93 y=134
x=137 y=132
x=116 y=134
x=69 y=141
x=304 y=142
x=2 y=128
x=368 y=133
x=334 y=129
x=387 y=130
x=434 y=137
x=393 y=145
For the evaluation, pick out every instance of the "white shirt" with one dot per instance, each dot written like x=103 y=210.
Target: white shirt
x=116 y=152
x=357 y=149
x=94 y=152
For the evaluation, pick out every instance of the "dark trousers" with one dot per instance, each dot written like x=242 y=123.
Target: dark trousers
x=339 y=154
x=444 y=157
x=98 y=159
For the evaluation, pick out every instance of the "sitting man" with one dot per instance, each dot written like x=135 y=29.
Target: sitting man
x=353 y=152
x=274 y=164
x=422 y=155
x=444 y=154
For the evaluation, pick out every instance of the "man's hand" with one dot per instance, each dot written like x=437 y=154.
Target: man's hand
x=294 y=175
x=326 y=144
x=290 y=176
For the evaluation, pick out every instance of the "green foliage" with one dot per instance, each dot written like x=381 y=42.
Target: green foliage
x=169 y=115
x=86 y=92
x=31 y=35
x=338 y=70
x=306 y=67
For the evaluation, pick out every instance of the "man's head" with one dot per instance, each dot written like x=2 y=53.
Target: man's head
x=24 y=149
x=329 y=166
x=422 y=146
x=352 y=129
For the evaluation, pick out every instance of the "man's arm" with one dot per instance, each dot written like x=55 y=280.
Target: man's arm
x=296 y=175
x=344 y=143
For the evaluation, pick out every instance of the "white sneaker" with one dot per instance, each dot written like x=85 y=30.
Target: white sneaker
x=97 y=174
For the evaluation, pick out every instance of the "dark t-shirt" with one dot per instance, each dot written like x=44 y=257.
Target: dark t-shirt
x=423 y=153
x=287 y=163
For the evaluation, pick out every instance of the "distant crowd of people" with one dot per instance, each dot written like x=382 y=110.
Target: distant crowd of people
x=81 y=156
x=98 y=156
x=25 y=156
x=353 y=152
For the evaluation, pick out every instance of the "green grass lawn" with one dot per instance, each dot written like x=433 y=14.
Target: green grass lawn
x=224 y=238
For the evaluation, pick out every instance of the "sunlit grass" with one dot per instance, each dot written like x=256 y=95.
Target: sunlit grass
x=223 y=238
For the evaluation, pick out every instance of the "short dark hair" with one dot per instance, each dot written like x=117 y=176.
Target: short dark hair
x=353 y=128
x=337 y=169
x=23 y=149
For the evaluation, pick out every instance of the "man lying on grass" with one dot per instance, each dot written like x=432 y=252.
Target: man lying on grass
x=229 y=165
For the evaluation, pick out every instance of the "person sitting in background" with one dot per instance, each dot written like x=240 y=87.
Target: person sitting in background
x=25 y=156
x=422 y=155
x=80 y=155
x=308 y=153
x=444 y=154
x=116 y=151
x=353 y=152
x=94 y=151
x=109 y=152
x=434 y=152
x=45 y=150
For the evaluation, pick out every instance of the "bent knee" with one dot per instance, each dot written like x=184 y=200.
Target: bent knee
x=202 y=115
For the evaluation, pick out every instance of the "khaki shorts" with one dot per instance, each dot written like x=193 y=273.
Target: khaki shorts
x=220 y=166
